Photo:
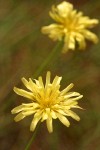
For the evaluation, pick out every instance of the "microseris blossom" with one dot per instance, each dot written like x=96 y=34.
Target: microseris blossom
x=70 y=26
x=47 y=102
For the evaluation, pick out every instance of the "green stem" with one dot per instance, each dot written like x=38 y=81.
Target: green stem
x=49 y=58
x=32 y=138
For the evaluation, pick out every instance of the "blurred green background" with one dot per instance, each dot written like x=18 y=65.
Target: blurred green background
x=23 y=48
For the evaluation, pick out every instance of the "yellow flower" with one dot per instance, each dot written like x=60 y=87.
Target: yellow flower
x=47 y=102
x=71 y=26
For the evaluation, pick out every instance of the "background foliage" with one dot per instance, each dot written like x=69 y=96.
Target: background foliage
x=23 y=48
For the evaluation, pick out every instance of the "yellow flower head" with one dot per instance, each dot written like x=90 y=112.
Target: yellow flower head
x=47 y=102
x=71 y=25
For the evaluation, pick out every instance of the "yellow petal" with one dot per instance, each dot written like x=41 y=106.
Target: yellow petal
x=26 y=83
x=54 y=31
x=60 y=111
x=67 y=89
x=63 y=119
x=23 y=93
x=73 y=115
x=35 y=120
x=70 y=103
x=37 y=82
x=55 y=16
x=56 y=81
x=90 y=36
x=64 y=8
x=71 y=94
x=71 y=44
x=81 y=41
x=47 y=79
x=28 y=113
x=53 y=114
x=76 y=106
x=44 y=116
x=19 y=117
x=34 y=123
x=29 y=105
x=41 y=82
x=88 y=23
x=17 y=109
x=33 y=86
x=49 y=124
x=76 y=98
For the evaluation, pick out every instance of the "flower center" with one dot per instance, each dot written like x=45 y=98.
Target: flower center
x=70 y=25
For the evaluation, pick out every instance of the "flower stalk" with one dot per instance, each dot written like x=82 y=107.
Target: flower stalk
x=49 y=58
x=32 y=139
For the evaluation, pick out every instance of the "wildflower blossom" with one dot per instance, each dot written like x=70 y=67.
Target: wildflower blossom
x=71 y=26
x=47 y=102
